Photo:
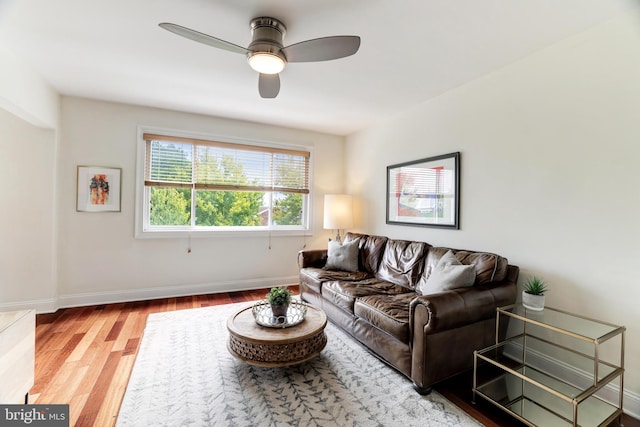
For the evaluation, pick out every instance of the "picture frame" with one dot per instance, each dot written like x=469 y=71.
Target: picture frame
x=425 y=192
x=98 y=189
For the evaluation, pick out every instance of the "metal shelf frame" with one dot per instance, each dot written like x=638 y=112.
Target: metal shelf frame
x=538 y=393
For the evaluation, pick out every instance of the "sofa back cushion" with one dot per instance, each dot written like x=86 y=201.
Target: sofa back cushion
x=402 y=262
x=371 y=249
x=489 y=267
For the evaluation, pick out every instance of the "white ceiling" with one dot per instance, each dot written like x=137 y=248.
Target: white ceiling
x=411 y=51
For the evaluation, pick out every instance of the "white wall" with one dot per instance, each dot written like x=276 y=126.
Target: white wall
x=24 y=93
x=27 y=187
x=99 y=258
x=549 y=147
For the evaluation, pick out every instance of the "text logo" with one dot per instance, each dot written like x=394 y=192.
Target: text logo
x=34 y=415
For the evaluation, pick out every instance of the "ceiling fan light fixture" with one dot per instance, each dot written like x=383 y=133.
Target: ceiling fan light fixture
x=266 y=63
x=267 y=54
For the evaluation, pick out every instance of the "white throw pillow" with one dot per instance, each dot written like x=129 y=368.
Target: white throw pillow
x=449 y=274
x=342 y=257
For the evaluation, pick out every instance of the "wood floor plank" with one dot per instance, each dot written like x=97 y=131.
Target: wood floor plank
x=47 y=318
x=57 y=339
x=110 y=406
x=84 y=419
x=53 y=365
x=117 y=327
x=65 y=383
x=83 y=318
x=132 y=347
x=66 y=319
x=78 y=401
x=115 y=330
x=44 y=360
x=128 y=330
x=90 y=336
x=43 y=331
x=99 y=395
x=96 y=365
x=92 y=353
x=138 y=327
x=88 y=322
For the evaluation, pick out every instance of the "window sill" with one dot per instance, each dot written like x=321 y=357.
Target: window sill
x=222 y=233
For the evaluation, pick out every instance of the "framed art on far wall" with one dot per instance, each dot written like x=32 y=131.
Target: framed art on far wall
x=98 y=189
x=425 y=192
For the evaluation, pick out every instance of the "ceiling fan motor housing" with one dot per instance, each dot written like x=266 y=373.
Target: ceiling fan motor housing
x=267 y=36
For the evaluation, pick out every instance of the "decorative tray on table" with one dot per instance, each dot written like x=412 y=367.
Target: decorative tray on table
x=264 y=316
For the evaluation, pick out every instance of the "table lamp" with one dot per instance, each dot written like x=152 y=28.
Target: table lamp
x=338 y=213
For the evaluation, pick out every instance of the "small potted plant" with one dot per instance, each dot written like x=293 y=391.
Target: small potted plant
x=533 y=294
x=279 y=299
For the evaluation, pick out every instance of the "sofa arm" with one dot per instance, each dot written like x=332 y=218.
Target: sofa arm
x=435 y=313
x=460 y=319
x=312 y=258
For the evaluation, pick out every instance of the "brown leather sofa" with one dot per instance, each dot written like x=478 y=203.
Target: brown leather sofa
x=426 y=337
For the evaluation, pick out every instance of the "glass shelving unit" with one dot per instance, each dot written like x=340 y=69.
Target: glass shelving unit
x=555 y=369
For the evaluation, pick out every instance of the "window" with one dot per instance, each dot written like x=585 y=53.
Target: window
x=201 y=185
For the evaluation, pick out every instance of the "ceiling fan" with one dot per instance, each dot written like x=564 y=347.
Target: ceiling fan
x=266 y=53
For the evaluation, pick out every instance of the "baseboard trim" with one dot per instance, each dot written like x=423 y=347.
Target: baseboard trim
x=40 y=306
x=141 y=294
x=568 y=373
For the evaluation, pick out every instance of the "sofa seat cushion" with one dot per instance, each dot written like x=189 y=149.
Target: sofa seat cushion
x=344 y=294
x=389 y=313
x=315 y=276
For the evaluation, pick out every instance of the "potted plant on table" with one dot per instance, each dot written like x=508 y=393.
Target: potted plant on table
x=533 y=294
x=279 y=299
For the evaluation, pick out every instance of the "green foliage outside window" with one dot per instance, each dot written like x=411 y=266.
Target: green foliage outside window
x=288 y=210
x=287 y=207
x=170 y=206
x=228 y=208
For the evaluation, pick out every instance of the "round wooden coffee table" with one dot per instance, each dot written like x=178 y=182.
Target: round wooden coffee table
x=273 y=347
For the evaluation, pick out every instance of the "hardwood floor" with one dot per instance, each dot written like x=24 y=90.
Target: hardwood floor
x=84 y=357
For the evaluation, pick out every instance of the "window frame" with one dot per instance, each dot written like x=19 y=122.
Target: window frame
x=144 y=230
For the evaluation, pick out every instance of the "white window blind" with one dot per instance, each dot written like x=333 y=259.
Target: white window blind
x=201 y=164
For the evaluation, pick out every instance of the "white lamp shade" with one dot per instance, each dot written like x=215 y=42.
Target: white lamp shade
x=338 y=211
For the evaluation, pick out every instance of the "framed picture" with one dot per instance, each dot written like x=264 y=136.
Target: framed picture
x=425 y=192
x=98 y=189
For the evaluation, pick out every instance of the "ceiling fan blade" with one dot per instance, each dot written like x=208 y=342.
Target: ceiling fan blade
x=202 y=38
x=269 y=85
x=322 y=49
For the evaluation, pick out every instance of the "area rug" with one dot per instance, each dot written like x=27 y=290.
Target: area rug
x=185 y=376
